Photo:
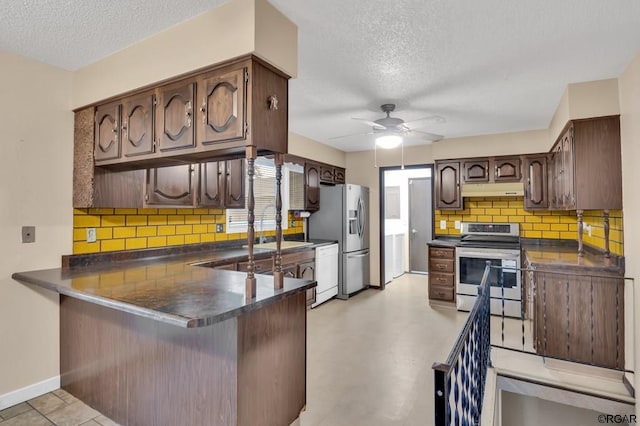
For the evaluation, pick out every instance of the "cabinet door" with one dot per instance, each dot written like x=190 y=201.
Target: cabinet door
x=212 y=184
x=476 y=170
x=107 y=132
x=234 y=184
x=137 y=124
x=170 y=185
x=568 y=184
x=326 y=174
x=222 y=107
x=448 y=185
x=507 y=169
x=175 y=116
x=556 y=177
x=338 y=175
x=312 y=186
x=535 y=190
x=290 y=271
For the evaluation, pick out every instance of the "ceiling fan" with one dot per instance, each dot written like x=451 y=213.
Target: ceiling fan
x=390 y=130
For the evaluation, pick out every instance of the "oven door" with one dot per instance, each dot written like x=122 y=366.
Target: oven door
x=505 y=281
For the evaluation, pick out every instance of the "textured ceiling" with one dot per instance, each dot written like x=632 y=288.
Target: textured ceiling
x=487 y=67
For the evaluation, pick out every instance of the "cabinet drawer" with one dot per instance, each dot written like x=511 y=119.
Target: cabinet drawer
x=445 y=280
x=227 y=266
x=441 y=293
x=442 y=252
x=441 y=265
x=262 y=266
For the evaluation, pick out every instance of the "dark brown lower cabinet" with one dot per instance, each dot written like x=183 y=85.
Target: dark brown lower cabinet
x=441 y=261
x=578 y=317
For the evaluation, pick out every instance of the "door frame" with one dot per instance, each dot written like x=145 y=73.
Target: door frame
x=381 y=171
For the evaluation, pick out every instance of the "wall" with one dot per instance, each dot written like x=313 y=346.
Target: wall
x=629 y=90
x=535 y=224
x=524 y=410
x=236 y=28
x=362 y=170
x=130 y=229
x=583 y=100
x=36 y=190
x=309 y=148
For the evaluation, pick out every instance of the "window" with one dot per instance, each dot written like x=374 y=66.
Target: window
x=264 y=189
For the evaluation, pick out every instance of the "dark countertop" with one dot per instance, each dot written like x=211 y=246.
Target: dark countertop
x=170 y=289
x=566 y=256
x=444 y=241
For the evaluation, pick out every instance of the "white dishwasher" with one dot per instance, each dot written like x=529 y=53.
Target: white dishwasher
x=326 y=273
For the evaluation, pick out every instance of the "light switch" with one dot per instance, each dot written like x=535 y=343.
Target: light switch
x=457 y=224
x=443 y=224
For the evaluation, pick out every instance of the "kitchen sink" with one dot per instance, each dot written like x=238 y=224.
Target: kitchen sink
x=284 y=245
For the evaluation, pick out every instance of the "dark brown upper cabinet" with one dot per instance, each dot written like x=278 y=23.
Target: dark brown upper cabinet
x=138 y=124
x=311 y=186
x=107 y=132
x=476 y=170
x=326 y=174
x=171 y=186
x=338 y=176
x=535 y=185
x=176 y=128
x=585 y=169
x=507 y=169
x=447 y=181
x=222 y=107
x=234 y=184
x=212 y=114
x=222 y=184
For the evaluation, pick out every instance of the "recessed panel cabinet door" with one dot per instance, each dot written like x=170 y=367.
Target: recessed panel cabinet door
x=535 y=189
x=221 y=114
x=107 y=132
x=175 y=116
x=568 y=167
x=170 y=185
x=212 y=181
x=448 y=185
x=507 y=170
x=137 y=125
x=234 y=184
x=475 y=171
x=311 y=186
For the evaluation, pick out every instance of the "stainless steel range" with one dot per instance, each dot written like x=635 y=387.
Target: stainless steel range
x=500 y=244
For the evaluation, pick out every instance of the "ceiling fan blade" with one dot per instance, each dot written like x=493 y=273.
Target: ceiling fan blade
x=350 y=135
x=410 y=125
x=428 y=136
x=371 y=123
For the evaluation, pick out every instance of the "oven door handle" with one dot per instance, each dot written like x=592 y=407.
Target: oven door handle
x=484 y=255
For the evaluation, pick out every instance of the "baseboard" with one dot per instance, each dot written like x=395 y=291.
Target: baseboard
x=28 y=392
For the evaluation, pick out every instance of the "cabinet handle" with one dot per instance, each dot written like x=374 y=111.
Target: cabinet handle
x=125 y=129
x=203 y=109
x=115 y=127
x=188 y=108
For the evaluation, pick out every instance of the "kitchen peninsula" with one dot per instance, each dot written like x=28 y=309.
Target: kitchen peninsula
x=164 y=341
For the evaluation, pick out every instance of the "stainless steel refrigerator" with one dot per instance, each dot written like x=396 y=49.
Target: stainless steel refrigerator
x=344 y=216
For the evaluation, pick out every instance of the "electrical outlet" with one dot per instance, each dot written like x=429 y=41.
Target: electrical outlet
x=293 y=224
x=91 y=235
x=28 y=234
x=219 y=227
x=443 y=224
x=457 y=224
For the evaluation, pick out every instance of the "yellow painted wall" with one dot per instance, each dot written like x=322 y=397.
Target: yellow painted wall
x=130 y=229
x=559 y=225
x=36 y=176
x=629 y=92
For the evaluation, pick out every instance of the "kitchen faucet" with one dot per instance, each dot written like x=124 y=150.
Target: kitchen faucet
x=262 y=239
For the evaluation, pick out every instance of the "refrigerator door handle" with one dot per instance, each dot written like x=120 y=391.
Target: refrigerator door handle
x=358 y=255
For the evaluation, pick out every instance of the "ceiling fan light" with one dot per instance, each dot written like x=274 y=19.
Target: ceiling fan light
x=388 y=141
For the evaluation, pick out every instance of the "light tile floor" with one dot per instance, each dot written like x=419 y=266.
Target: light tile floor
x=54 y=408
x=369 y=363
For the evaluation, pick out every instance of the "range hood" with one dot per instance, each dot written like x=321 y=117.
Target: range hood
x=510 y=189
